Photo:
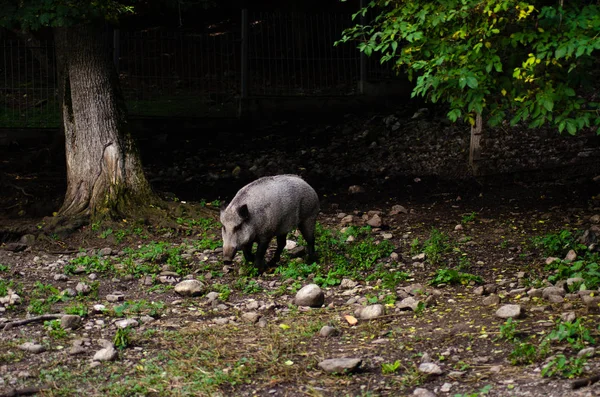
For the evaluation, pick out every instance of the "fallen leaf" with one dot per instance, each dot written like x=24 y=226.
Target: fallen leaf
x=351 y=319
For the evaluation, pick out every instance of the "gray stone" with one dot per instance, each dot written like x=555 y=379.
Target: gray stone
x=115 y=298
x=190 y=288
x=397 y=209
x=105 y=251
x=371 y=312
x=99 y=308
x=328 y=331
x=430 y=369
x=32 y=347
x=251 y=317
x=75 y=350
x=128 y=322
x=491 y=300
x=221 y=320
x=509 y=311
x=375 y=221
x=348 y=284
x=555 y=299
x=587 y=352
x=27 y=239
x=82 y=288
x=109 y=353
x=69 y=292
x=553 y=291
x=571 y=256
x=420 y=392
x=212 y=296
x=145 y=319
x=297 y=252
x=70 y=321
x=340 y=365
x=535 y=293
x=61 y=277
x=568 y=317
x=408 y=303
x=310 y=295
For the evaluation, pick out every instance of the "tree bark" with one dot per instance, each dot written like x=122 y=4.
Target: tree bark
x=104 y=172
x=475 y=146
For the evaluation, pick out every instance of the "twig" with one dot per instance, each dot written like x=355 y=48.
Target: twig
x=578 y=384
x=26 y=391
x=44 y=317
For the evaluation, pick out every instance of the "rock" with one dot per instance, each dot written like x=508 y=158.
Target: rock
x=553 y=291
x=571 y=256
x=347 y=219
x=535 y=293
x=15 y=247
x=310 y=295
x=446 y=387
x=430 y=369
x=115 y=298
x=458 y=228
x=128 y=322
x=509 y=311
x=212 y=296
x=587 y=352
x=408 y=303
x=397 y=209
x=10 y=299
x=32 y=347
x=479 y=290
x=99 y=308
x=105 y=251
x=371 y=312
x=328 y=331
x=75 y=350
x=568 y=317
x=290 y=245
x=70 y=321
x=340 y=365
x=574 y=280
x=27 y=239
x=145 y=319
x=109 y=353
x=420 y=392
x=419 y=257
x=348 y=284
x=69 y=292
x=375 y=221
x=221 y=320
x=297 y=252
x=355 y=189
x=61 y=277
x=169 y=278
x=83 y=288
x=551 y=259
x=555 y=299
x=251 y=317
x=189 y=288
x=491 y=300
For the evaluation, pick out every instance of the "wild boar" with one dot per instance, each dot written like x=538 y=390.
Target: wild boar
x=269 y=207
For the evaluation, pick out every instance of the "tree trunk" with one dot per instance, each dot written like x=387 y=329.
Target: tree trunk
x=475 y=146
x=104 y=171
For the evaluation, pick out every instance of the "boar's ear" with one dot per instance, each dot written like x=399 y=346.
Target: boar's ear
x=223 y=206
x=243 y=212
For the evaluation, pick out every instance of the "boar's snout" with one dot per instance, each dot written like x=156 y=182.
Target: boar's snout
x=228 y=254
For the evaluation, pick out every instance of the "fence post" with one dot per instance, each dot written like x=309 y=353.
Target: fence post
x=244 y=65
x=363 y=58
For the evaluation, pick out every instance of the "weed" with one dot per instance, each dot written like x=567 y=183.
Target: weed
x=90 y=264
x=558 y=244
x=451 y=276
x=524 y=353
x=106 y=233
x=565 y=367
x=3 y=268
x=122 y=338
x=247 y=286
x=435 y=246
x=587 y=269
x=152 y=309
x=508 y=330
x=415 y=247
x=483 y=391
x=574 y=333
x=390 y=368
x=297 y=270
x=55 y=330
x=469 y=217
x=78 y=309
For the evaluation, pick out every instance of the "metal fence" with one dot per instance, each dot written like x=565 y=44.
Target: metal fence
x=192 y=74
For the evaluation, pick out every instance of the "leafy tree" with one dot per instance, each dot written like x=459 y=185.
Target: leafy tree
x=524 y=61
x=104 y=172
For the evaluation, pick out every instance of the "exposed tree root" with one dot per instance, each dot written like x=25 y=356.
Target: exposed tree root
x=578 y=384
x=43 y=317
x=26 y=391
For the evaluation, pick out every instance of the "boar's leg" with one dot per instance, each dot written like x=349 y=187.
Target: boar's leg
x=248 y=255
x=307 y=228
x=259 y=258
x=280 y=246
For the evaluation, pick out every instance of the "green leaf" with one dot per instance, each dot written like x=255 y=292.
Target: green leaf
x=548 y=103
x=472 y=82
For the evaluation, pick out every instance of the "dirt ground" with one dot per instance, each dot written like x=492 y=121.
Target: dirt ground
x=243 y=334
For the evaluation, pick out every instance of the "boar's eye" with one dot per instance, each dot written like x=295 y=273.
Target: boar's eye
x=238 y=227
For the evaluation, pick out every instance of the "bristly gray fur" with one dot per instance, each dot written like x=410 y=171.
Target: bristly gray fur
x=269 y=207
